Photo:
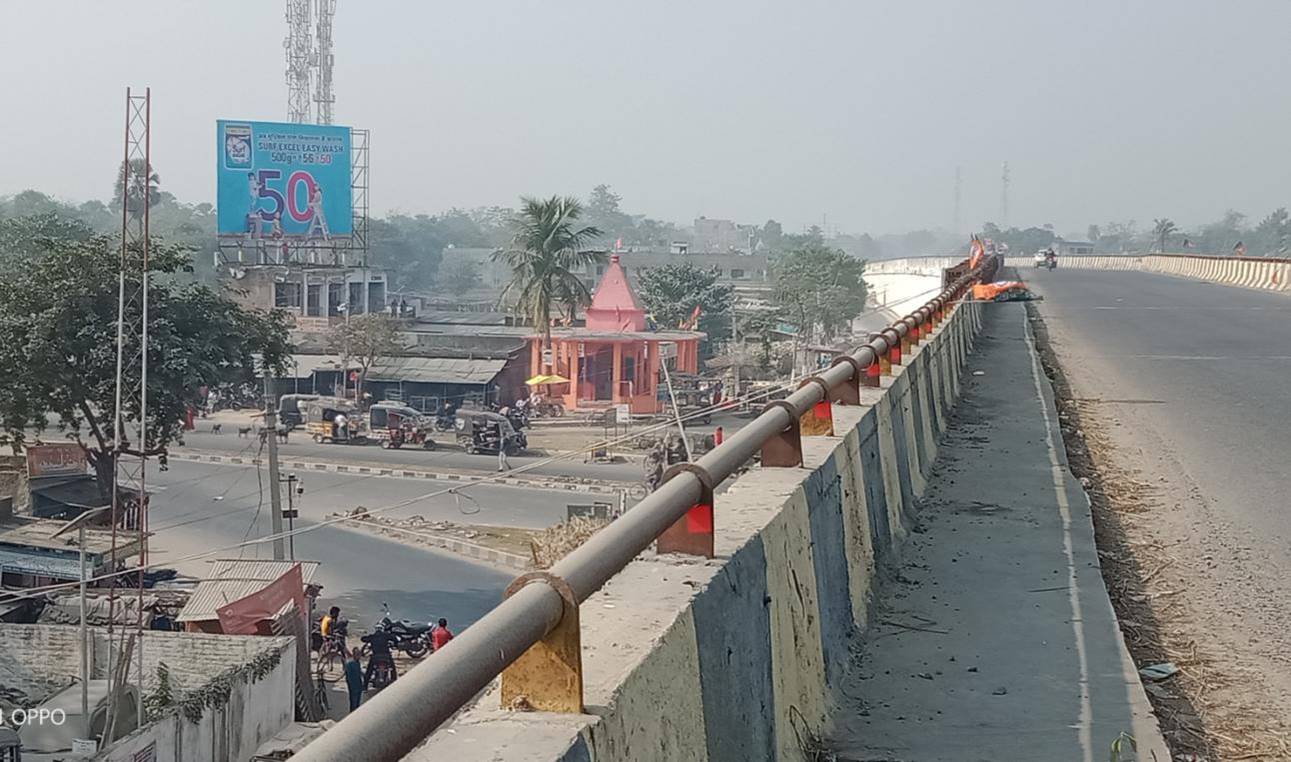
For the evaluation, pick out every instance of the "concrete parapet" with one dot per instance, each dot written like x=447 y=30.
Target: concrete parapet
x=733 y=658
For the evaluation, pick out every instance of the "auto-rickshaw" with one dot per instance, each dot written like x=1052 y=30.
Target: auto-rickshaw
x=478 y=431
x=320 y=421
x=394 y=424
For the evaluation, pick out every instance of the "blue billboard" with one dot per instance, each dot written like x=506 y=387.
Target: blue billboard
x=276 y=180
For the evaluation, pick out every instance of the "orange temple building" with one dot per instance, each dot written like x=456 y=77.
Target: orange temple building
x=615 y=359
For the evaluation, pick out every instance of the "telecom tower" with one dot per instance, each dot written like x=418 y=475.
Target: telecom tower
x=323 y=96
x=309 y=60
x=130 y=446
x=301 y=60
x=1004 y=196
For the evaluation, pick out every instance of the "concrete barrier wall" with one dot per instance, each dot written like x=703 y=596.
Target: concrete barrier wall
x=1247 y=272
x=732 y=659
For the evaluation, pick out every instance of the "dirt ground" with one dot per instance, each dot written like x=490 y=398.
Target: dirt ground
x=1170 y=570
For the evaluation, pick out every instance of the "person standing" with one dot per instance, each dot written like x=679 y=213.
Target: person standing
x=354 y=679
x=441 y=635
x=503 y=463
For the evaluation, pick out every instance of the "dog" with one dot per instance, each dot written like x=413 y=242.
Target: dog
x=245 y=431
x=216 y=428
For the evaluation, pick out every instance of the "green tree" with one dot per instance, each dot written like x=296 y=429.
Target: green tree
x=58 y=331
x=820 y=288
x=1272 y=236
x=672 y=292
x=1162 y=228
x=138 y=188
x=548 y=245
x=365 y=339
x=458 y=275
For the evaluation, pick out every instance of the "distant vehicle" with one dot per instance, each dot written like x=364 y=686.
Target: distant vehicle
x=395 y=424
x=474 y=428
x=1045 y=258
x=289 y=414
x=320 y=421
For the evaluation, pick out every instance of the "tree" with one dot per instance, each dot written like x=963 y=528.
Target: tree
x=820 y=288
x=1093 y=233
x=58 y=329
x=1273 y=235
x=1162 y=228
x=548 y=245
x=672 y=292
x=458 y=275
x=367 y=339
x=137 y=188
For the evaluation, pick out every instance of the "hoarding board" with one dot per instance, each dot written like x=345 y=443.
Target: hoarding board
x=276 y=180
x=62 y=459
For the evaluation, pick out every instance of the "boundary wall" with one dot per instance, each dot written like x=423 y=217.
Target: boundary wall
x=1247 y=272
x=733 y=658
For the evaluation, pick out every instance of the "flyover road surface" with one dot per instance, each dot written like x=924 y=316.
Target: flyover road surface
x=1193 y=383
x=300 y=447
x=198 y=507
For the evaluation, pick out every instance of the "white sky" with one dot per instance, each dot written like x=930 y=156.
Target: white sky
x=795 y=110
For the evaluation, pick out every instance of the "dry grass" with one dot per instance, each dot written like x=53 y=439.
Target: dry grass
x=1196 y=723
x=555 y=542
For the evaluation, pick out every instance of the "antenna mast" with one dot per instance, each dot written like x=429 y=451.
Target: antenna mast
x=300 y=60
x=324 y=96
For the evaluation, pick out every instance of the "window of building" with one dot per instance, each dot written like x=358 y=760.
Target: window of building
x=737 y=273
x=356 y=298
x=315 y=300
x=286 y=295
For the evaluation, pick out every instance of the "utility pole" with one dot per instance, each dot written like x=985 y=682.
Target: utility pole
x=271 y=438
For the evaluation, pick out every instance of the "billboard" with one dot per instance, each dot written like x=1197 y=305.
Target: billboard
x=276 y=180
x=62 y=459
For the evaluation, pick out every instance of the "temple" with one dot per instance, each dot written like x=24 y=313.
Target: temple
x=615 y=358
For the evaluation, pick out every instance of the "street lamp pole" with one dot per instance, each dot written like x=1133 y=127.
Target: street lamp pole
x=78 y=524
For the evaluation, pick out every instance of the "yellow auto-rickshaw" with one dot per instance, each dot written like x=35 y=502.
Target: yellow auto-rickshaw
x=332 y=420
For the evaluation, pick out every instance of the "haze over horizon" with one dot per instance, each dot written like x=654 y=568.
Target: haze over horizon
x=858 y=113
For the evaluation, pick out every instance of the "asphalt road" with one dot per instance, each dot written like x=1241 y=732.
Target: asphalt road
x=1192 y=382
x=198 y=507
x=300 y=446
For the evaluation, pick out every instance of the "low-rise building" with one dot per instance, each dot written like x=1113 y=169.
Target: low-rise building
x=205 y=697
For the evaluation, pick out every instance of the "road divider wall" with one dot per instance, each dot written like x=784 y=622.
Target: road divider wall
x=1247 y=272
x=733 y=658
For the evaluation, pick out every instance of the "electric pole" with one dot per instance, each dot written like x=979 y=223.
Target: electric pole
x=271 y=438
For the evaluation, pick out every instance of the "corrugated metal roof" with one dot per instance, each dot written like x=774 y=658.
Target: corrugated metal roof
x=40 y=564
x=436 y=370
x=234 y=578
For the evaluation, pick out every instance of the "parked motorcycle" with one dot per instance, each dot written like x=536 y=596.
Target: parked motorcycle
x=413 y=638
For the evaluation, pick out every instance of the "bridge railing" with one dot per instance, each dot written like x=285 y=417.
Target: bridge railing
x=406 y=712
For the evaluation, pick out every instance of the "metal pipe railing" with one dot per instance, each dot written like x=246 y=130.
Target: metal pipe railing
x=406 y=712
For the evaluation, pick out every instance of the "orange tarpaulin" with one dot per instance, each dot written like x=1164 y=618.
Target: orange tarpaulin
x=989 y=292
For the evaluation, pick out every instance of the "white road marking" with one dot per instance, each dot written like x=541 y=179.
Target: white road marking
x=1058 y=473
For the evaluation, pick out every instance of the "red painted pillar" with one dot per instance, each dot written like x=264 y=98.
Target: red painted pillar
x=717 y=436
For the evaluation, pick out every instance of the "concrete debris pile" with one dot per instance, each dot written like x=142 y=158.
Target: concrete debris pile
x=557 y=541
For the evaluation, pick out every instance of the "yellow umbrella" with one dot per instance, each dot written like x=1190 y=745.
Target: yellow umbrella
x=543 y=378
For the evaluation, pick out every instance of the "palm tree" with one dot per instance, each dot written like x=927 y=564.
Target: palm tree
x=1163 y=229
x=137 y=190
x=547 y=247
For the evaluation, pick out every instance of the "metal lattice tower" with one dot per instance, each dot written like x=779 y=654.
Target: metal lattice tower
x=301 y=60
x=130 y=446
x=1004 y=196
x=323 y=95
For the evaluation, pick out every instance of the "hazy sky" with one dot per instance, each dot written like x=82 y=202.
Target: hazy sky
x=748 y=110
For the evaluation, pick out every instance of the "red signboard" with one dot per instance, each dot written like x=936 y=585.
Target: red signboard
x=241 y=616
x=63 y=459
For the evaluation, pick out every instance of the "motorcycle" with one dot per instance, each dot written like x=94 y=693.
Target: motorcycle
x=413 y=638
